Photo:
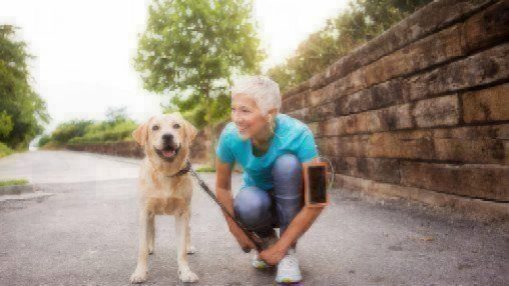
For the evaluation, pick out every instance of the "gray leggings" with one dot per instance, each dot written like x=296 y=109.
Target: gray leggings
x=261 y=210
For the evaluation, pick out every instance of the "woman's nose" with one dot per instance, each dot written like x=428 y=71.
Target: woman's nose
x=238 y=121
x=236 y=118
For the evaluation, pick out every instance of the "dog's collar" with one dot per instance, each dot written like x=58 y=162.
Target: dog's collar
x=181 y=172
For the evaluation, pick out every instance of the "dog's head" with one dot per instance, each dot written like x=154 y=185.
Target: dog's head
x=165 y=135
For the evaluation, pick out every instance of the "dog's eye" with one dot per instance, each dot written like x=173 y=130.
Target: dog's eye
x=176 y=126
x=155 y=127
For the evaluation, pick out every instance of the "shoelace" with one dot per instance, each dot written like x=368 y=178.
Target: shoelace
x=289 y=261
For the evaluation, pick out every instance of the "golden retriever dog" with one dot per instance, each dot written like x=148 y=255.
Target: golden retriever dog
x=165 y=187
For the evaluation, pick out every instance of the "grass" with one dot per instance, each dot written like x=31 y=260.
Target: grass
x=15 y=182
x=5 y=150
x=205 y=169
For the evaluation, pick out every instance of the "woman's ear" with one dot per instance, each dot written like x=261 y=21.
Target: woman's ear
x=272 y=113
x=140 y=135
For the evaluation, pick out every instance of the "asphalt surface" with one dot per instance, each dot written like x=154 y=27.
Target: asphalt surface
x=85 y=233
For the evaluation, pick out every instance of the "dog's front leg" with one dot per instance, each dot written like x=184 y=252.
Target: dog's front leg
x=140 y=273
x=190 y=249
x=151 y=234
x=181 y=225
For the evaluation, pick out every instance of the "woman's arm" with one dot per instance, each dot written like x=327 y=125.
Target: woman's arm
x=224 y=195
x=299 y=225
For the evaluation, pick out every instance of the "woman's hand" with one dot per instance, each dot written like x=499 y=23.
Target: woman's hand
x=245 y=243
x=273 y=254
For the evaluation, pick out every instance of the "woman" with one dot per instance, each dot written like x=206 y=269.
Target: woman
x=270 y=147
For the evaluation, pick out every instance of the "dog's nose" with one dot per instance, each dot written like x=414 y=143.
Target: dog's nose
x=168 y=137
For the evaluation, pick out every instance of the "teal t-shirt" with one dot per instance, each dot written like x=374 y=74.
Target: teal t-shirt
x=290 y=136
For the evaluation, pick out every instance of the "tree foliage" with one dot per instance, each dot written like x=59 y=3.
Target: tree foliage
x=191 y=49
x=22 y=111
x=361 y=22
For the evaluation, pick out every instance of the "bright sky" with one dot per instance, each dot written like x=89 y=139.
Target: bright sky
x=84 y=49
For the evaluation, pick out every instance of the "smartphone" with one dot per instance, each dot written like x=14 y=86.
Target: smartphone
x=315 y=184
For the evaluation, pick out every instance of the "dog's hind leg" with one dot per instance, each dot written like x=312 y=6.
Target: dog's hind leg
x=151 y=233
x=181 y=226
x=140 y=273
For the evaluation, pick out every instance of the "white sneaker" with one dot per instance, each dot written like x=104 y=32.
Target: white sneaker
x=256 y=261
x=288 y=270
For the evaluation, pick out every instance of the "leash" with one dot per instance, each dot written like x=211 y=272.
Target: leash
x=251 y=235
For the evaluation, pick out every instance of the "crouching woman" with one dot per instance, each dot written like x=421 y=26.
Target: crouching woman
x=271 y=148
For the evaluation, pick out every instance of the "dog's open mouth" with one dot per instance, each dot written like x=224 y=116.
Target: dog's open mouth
x=168 y=152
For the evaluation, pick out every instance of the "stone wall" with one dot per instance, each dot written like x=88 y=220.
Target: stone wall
x=422 y=111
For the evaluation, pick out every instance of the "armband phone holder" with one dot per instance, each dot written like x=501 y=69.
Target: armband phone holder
x=315 y=184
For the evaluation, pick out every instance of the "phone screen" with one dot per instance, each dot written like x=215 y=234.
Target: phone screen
x=317 y=184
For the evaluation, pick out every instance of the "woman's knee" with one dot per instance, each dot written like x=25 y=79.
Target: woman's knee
x=252 y=206
x=287 y=165
x=287 y=175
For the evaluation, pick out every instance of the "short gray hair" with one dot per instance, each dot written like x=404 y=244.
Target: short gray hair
x=262 y=89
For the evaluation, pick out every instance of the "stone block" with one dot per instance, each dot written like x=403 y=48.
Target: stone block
x=476 y=181
x=483 y=68
x=440 y=111
x=486 y=105
x=483 y=151
x=321 y=112
x=381 y=95
x=300 y=114
x=378 y=169
x=294 y=102
x=487 y=27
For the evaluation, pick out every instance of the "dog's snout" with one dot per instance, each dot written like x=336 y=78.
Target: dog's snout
x=168 y=137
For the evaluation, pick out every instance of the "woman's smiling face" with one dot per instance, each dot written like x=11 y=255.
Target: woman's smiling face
x=246 y=115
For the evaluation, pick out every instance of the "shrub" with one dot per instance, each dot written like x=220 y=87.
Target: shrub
x=5 y=150
x=68 y=130
x=101 y=132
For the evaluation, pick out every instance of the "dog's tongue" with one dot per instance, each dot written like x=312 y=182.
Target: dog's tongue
x=169 y=153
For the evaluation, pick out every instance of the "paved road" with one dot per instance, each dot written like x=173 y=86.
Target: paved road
x=86 y=234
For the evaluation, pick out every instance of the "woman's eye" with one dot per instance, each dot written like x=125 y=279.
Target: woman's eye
x=155 y=127
x=176 y=126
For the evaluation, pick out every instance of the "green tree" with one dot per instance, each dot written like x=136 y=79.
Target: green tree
x=115 y=115
x=191 y=49
x=361 y=22
x=22 y=111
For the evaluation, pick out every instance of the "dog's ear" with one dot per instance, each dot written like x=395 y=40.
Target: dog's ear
x=190 y=131
x=141 y=134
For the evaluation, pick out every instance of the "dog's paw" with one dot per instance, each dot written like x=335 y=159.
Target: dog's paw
x=150 y=250
x=139 y=276
x=188 y=276
x=191 y=250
